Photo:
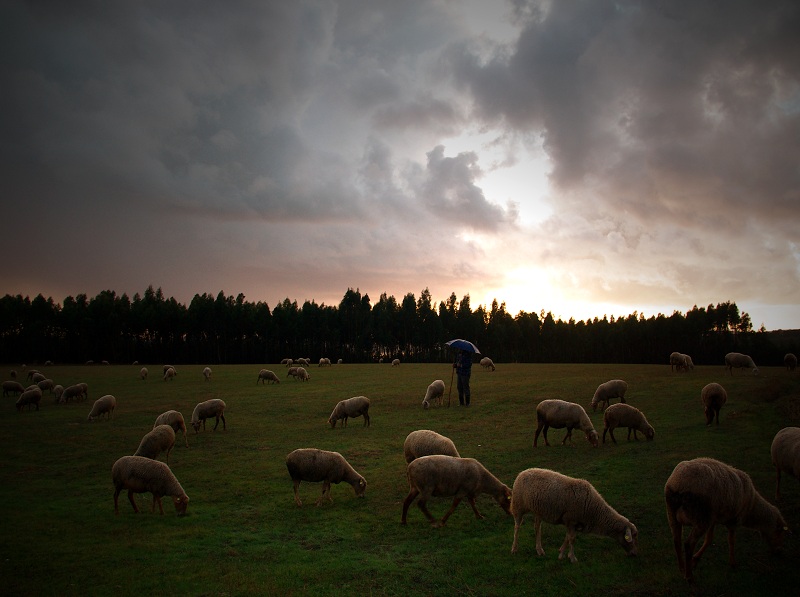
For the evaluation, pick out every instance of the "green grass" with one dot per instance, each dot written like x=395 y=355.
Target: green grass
x=244 y=535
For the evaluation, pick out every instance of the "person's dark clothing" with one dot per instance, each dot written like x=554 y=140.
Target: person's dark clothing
x=463 y=367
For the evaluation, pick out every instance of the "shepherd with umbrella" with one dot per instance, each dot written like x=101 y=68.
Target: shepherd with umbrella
x=462 y=366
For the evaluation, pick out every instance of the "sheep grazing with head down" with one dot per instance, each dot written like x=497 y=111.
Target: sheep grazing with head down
x=487 y=363
x=434 y=393
x=175 y=420
x=557 y=499
x=160 y=439
x=205 y=410
x=30 y=397
x=12 y=387
x=138 y=474
x=350 y=407
x=207 y=373
x=785 y=453
x=37 y=377
x=425 y=442
x=790 y=361
x=315 y=466
x=680 y=362
x=169 y=374
x=104 y=405
x=560 y=414
x=714 y=398
x=704 y=492
x=449 y=476
x=737 y=360
x=58 y=390
x=625 y=415
x=302 y=374
x=265 y=375
x=614 y=388
x=396 y=363
x=324 y=362
x=46 y=384
x=143 y=373
x=70 y=392
x=292 y=372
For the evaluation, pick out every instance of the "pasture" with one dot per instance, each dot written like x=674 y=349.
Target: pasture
x=244 y=535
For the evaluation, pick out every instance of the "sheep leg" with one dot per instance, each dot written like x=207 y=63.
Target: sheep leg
x=517 y=523
x=452 y=509
x=366 y=420
x=691 y=541
x=133 y=502
x=478 y=515
x=731 y=545
x=157 y=500
x=216 y=423
x=611 y=433
x=326 y=492
x=407 y=502
x=296 y=493
x=778 y=484
x=422 y=505
x=677 y=540
x=185 y=439
x=568 y=436
x=537 y=523
x=569 y=541
x=116 y=500
x=536 y=435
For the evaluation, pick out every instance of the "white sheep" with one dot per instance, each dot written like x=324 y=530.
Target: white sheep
x=625 y=415
x=70 y=392
x=292 y=372
x=143 y=373
x=396 y=363
x=265 y=375
x=425 y=442
x=487 y=363
x=557 y=499
x=303 y=362
x=713 y=397
x=37 y=377
x=84 y=388
x=448 y=476
x=169 y=367
x=560 y=414
x=58 y=390
x=138 y=474
x=31 y=396
x=350 y=407
x=205 y=410
x=704 y=492
x=614 y=388
x=207 y=373
x=287 y=362
x=434 y=393
x=324 y=362
x=339 y=362
x=315 y=466
x=46 y=384
x=160 y=439
x=174 y=419
x=679 y=361
x=785 y=453
x=302 y=374
x=169 y=374
x=737 y=360
x=104 y=405
x=790 y=361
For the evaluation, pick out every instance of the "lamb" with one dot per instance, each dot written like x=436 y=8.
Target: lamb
x=350 y=407
x=169 y=374
x=445 y=476
x=46 y=384
x=714 y=397
x=265 y=375
x=12 y=386
x=614 y=388
x=434 y=393
x=487 y=363
x=704 y=492
x=207 y=373
x=104 y=405
x=175 y=420
x=785 y=452
x=70 y=392
x=790 y=360
x=396 y=363
x=31 y=395
x=559 y=414
x=58 y=390
x=738 y=360
x=324 y=362
x=557 y=499
x=314 y=466
x=205 y=410
x=425 y=442
x=302 y=374
x=160 y=439
x=143 y=373
x=625 y=415
x=138 y=474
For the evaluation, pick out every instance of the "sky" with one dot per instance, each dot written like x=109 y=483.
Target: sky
x=584 y=158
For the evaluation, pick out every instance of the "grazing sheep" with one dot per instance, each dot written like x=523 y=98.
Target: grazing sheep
x=737 y=360
x=350 y=407
x=169 y=367
x=315 y=466
x=31 y=373
x=287 y=362
x=339 y=362
x=679 y=361
x=169 y=374
x=103 y=406
x=70 y=392
x=175 y=420
x=292 y=372
x=425 y=442
x=31 y=395
x=614 y=388
x=487 y=363
x=324 y=362
x=396 y=363
x=445 y=476
x=160 y=439
x=46 y=384
x=302 y=374
x=143 y=373
x=790 y=360
x=138 y=474
x=559 y=414
x=207 y=373
x=625 y=415
x=58 y=390
x=265 y=375
x=303 y=362
x=434 y=393
x=12 y=386
x=205 y=410
x=557 y=499
x=785 y=452
x=704 y=492
x=37 y=377
x=84 y=388
x=714 y=397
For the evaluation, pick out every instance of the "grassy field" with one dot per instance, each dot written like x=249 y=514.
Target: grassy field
x=244 y=535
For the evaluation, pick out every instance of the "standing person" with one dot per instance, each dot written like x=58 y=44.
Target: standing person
x=463 y=367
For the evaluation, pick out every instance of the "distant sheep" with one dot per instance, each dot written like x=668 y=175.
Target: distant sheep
x=433 y=394
x=138 y=474
x=737 y=360
x=169 y=367
x=785 y=453
x=625 y=415
x=704 y=492
x=339 y=362
x=302 y=374
x=560 y=414
x=303 y=362
x=70 y=392
x=205 y=410
x=446 y=476
x=46 y=384
x=292 y=372
x=104 y=405
x=169 y=374
x=265 y=375
x=30 y=397
x=790 y=361
x=614 y=388
x=425 y=442
x=487 y=363
x=31 y=374
x=37 y=377
x=680 y=362
x=350 y=407
x=714 y=398
x=84 y=388
x=315 y=466
x=207 y=373
x=324 y=362
x=396 y=363
x=174 y=419
x=160 y=439
x=143 y=373
x=58 y=390
x=12 y=387
x=557 y=499
x=287 y=362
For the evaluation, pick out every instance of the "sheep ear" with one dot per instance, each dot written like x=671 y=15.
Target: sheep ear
x=628 y=536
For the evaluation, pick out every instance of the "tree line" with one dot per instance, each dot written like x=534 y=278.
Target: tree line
x=151 y=328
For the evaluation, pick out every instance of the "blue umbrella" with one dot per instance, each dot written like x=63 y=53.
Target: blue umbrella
x=463 y=345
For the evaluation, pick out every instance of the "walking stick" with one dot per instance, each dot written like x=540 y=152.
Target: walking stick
x=450 y=391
